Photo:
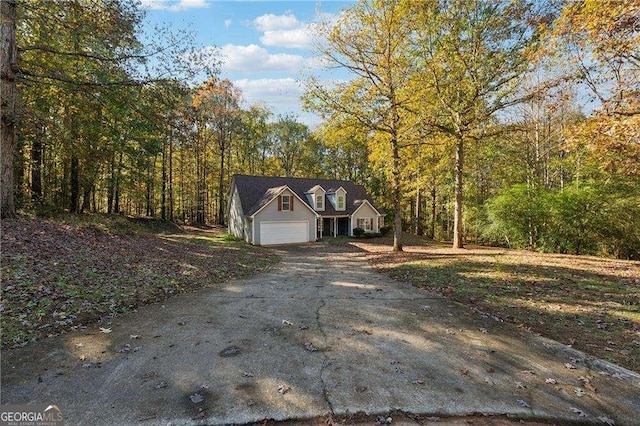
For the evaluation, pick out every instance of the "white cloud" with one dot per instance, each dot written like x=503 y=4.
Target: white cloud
x=173 y=5
x=253 y=58
x=227 y=23
x=271 y=22
x=299 y=38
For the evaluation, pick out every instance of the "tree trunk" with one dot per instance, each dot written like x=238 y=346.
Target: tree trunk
x=457 y=212
x=163 y=199
x=171 y=205
x=36 y=167
x=8 y=61
x=221 y=188
x=397 y=196
x=419 y=230
x=74 y=182
x=432 y=231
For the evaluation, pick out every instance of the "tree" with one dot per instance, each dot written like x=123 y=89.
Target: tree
x=8 y=59
x=217 y=102
x=598 y=41
x=472 y=55
x=371 y=41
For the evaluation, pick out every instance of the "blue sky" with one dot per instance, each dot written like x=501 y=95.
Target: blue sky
x=267 y=46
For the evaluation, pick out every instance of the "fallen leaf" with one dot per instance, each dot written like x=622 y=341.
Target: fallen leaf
x=161 y=385
x=523 y=403
x=569 y=366
x=83 y=357
x=450 y=331
x=134 y=336
x=79 y=345
x=551 y=381
x=579 y=391
x=483 y=330
x=529 y=372
x=579 y=412
x=282 y=389
x=245 y=374
x=519 y=385
x=309 y=346
x=287 y=322
x=491 y=370
x=464 y=371
x=418 y=382
x=304 y=327
x=489 y=381
x=105 y=330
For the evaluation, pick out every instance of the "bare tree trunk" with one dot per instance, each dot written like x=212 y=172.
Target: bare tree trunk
x=432 y=231
x=8 y=59
x=458 y=241
x=163 y=199
x=221 y=184
x=419 y=230
x=74 y=181
x=397 y=196
x=36 y=167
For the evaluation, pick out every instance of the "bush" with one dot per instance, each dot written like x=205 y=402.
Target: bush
x=372 y=234
x=385 y=230
x=358 y=232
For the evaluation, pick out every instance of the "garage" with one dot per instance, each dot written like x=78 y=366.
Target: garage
x=284 y=232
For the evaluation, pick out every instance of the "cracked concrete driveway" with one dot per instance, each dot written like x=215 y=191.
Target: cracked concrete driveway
x=321 y=333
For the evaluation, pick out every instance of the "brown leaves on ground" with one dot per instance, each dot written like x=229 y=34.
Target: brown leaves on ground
x=588 y=302
x=58 y=276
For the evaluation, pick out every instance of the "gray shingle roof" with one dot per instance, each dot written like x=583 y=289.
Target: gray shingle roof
x=257 y=191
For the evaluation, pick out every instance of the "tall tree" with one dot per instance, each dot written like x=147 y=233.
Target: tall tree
x=473 y=54
x=371 y=41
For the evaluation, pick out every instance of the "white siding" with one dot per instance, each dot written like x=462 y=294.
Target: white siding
x=237 y=222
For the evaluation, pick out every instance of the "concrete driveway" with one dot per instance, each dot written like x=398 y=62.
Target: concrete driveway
x=322 y=333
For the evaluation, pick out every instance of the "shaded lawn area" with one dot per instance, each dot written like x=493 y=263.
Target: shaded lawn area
x=590 y=303
x=66 y=273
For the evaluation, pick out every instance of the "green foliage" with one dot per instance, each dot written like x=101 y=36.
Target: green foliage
x=358 y=232
x=586 y=219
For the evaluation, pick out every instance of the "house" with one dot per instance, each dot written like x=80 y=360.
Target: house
x=266 y=210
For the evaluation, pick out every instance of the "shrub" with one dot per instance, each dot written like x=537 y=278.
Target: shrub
x=385 y=230
x=358 y=232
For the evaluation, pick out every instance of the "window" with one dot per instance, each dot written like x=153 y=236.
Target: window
x=319 y=202
x=364 y=223
x=340 y=203
x=286 y=202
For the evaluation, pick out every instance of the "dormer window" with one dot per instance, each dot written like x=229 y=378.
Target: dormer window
x=319 y=201
x=340 y=202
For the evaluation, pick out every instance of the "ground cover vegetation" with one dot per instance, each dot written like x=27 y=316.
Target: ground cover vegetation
x=65 y=274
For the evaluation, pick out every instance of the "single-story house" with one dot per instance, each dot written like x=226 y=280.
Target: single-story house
x=265 y=210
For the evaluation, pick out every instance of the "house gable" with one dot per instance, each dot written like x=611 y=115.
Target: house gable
x=272 y=212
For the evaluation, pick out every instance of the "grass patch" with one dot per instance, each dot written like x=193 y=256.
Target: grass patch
x=66 y=273
x=590 y=303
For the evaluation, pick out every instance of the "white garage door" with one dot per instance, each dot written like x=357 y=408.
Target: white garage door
x=284 y=232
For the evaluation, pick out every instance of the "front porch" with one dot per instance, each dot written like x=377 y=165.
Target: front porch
x=333 y=226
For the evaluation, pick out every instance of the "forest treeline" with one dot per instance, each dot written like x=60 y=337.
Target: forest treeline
x=466 y=120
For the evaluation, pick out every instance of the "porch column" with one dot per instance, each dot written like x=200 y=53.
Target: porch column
x=335 y=226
